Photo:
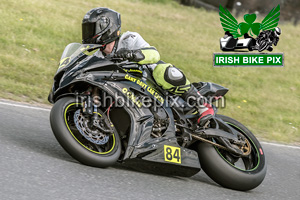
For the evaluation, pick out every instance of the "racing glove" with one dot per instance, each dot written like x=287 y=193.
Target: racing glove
x=130 y=55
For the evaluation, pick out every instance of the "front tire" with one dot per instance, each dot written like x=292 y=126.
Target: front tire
x=233 y=172
x=62 y=119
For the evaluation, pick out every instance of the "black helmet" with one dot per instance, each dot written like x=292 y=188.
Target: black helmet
x=100 y=26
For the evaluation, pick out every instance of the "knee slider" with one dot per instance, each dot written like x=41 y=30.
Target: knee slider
x=174 y=76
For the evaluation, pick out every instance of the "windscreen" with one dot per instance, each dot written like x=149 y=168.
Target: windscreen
x=71 y=51
x=74 y=51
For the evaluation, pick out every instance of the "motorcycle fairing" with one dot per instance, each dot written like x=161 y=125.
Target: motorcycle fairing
x=78 y=69
x=140 y=143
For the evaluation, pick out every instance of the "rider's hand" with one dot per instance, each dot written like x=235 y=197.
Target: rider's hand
x=124 y=54
x=130 y=55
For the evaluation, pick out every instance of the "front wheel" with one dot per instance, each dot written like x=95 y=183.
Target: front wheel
x=229 y=170
x=87 y=144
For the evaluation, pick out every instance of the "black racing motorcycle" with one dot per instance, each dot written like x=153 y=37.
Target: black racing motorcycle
x=106 y=112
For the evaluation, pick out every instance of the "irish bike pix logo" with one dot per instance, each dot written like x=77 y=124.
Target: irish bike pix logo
x=250 y=41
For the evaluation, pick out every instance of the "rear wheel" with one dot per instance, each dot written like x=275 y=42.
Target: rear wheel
x=229 y=170
x=87 y=144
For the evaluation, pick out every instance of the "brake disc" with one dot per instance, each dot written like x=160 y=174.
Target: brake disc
x=94 y=136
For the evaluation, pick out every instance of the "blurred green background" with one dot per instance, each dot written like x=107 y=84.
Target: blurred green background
x=33 y=35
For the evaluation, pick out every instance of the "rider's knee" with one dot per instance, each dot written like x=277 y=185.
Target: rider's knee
x=170 y=78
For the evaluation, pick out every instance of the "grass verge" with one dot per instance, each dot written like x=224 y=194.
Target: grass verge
x=34 y=33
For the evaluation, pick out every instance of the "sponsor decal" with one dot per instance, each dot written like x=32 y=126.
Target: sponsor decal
x=146 y=87
x=132 y=97
x=64 y=62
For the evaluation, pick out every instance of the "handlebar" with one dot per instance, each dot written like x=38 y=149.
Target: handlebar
x=114 y=59
x=123 y=62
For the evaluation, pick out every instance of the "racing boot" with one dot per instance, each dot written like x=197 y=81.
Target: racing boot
x=206 y=113
x=195 y=99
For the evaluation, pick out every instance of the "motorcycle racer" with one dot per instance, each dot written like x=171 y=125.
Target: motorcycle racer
x=103 y=25
x=267 y=38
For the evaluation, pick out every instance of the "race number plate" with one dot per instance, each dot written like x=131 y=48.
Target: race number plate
x=172 y=154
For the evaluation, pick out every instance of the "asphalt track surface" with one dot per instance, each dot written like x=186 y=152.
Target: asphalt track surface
x=34 y=166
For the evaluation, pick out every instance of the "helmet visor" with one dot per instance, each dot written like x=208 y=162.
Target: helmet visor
x=88 y=30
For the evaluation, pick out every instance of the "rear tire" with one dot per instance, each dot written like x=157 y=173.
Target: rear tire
x=81 y=149
x=227 y=174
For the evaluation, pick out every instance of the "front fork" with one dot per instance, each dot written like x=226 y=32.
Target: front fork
x=90 y=107
x=91 y=101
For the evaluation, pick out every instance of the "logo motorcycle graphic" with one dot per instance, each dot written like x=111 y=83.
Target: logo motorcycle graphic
x=267 y=31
